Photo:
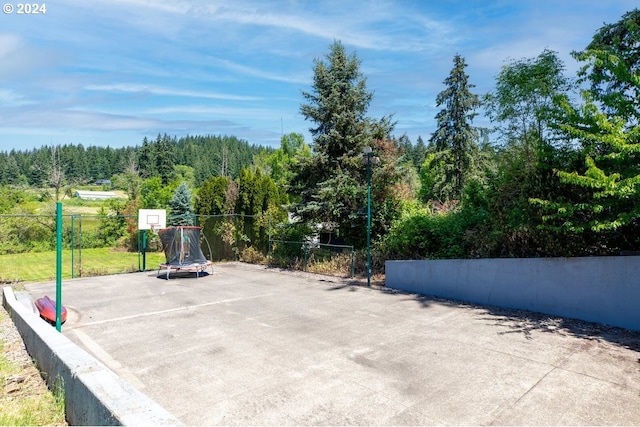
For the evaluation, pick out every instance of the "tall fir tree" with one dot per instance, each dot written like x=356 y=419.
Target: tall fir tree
x=146 y=159
x=181 y=207
x=455 y=137
x=164 y=158
x=332 y=182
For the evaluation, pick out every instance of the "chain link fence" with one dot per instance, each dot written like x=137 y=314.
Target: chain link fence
x=109 y=244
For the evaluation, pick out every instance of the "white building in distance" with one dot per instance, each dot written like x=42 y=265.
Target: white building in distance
x=95 y=195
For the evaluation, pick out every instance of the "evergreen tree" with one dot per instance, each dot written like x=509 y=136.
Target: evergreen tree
x=455 y=138
x=419 y=153
x=180 y=207
x=164 y=158
x=211 y=198
x=146 y=160
x=612 y=64
x=332 y=183
x=39 y=167
x=9 y=170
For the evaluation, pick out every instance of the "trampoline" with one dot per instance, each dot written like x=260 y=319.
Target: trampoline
x=182 y=251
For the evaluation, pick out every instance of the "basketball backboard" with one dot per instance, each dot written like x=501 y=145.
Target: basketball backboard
x=152 y=219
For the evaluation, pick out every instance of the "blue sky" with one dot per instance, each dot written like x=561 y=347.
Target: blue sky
x=110 y=72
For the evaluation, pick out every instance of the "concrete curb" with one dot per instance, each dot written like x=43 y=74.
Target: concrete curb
x=94 y=395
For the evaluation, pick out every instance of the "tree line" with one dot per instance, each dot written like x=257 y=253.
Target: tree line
x=555 y=174
x=208 y=155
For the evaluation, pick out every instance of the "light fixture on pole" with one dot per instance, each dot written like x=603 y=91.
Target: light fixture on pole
x=366 y=158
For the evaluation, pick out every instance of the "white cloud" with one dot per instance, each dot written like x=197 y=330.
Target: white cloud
x=155 y=90
x=9 y=97
x=18 y=58
x=200 y=110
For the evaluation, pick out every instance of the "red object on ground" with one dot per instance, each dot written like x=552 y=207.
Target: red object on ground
x=47 y=308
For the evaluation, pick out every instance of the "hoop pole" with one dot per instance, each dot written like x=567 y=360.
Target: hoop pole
x=144 y=250
x=139 y=250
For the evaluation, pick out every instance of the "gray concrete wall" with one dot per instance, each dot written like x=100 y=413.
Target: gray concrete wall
x=596 y=289
x=94 y=395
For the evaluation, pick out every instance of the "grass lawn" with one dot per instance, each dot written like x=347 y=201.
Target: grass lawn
x=41 y=266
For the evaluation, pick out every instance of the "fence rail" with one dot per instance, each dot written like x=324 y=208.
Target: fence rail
x=314 y=257
x=107 y=244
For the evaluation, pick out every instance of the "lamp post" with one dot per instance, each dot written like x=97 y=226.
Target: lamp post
x=366 y=158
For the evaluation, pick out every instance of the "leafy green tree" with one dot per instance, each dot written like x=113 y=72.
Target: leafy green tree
x=523 y=102
x=605 y=190
x=154 y=195
x=455 y=137
x=184 y=173
x=610 y=177
x=279 y=164
x=433 y=173
x=11 y=198
x=332 y=183
x=524 y=110
x=181 y=207
x=112 y=227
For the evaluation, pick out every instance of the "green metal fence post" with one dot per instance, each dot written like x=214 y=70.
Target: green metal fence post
x=73 y=247
x=352 y=263
x=80 y=247
x=59 y=266
x=304 y=258
x=268 y=240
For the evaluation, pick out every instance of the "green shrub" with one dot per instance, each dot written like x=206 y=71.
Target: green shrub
x=420 y=234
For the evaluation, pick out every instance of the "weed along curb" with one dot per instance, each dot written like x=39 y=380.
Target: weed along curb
x=93 y=394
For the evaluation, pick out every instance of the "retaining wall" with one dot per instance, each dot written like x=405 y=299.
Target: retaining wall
x=94 y=395
x=596 y=289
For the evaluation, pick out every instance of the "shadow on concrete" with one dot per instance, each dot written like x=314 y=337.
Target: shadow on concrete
x=183 y=274
x=515 y=321
x=525 y=322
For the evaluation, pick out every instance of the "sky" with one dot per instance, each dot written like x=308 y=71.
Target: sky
x=111 y=72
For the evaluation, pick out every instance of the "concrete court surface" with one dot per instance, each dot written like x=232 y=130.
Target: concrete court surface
x=254 y=346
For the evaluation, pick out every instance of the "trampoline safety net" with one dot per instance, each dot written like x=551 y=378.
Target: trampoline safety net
x=181 y=246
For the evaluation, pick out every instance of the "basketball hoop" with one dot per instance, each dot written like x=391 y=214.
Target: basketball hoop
x=152 y=219
x=149 y=219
